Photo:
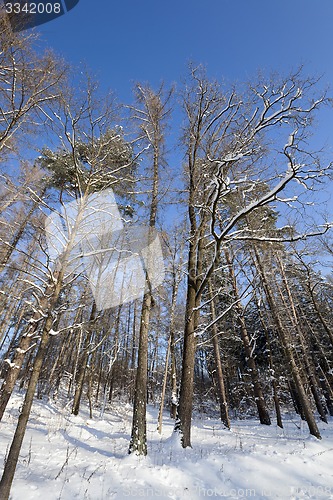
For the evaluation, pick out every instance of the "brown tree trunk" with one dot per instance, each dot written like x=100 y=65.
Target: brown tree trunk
x=83 y=363
x=153 y=112
x=217 y=356
x=173 y=377
x=327 y=391
x=15 y=365
x=13 y=455
x=302 y=397
x=184 y=417
x=291 y=312
x=11 y=462
x=257 y=390
x=192 y=314
x=164 y=385
x=19 y=233
x=326 y=327
x=272 y=370
x=138 y=443
x=295 y=399
x=171 y=353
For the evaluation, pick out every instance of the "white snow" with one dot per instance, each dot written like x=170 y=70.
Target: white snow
x=8 y=361
x=53 y=332
x=66 y=457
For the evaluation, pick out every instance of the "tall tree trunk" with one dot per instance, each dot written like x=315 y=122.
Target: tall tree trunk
x=217 y=356
x=19 y=233
x=194 y=277
x=295 y=399
x=272 y=370
x=13 y=455
x=112 y=372
x=18 y=314
x=83 y=363
x=173 y=377
x=257 y=390
x=292 y=313
x=324 y=323
x=171 y=353
x=48 y=305
x=184 y=416
x=15 y=365
x=12 y=310
x=11 y=462
x=138 y=443
x=302 y=397
x=152 y=115
x=164 y=385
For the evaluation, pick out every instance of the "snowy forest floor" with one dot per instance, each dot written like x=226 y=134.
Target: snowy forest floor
x=66 y=457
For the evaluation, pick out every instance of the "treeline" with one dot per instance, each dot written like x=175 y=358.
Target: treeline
x=242 y=323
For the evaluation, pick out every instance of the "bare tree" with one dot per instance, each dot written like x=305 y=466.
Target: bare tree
x=151 y=113
x=175 y=247
x=95 y=158
x=29 y=83
x=227 y=148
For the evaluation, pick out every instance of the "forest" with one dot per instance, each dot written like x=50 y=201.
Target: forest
x=231 y=186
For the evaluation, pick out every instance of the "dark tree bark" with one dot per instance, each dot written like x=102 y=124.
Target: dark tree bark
x=13 y=455
x=16 y=363
x=257 y=390
x=19 y=233
x=184 y=415
x=138 y=441
x=83 y=362
x=292 y=314
x=217 y=356
x=302 y=397
x=272 y=370
x=151 y=116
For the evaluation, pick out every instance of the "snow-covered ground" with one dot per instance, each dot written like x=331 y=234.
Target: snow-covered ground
x=67 y=457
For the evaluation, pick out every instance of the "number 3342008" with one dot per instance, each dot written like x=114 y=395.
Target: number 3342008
x=32 y=8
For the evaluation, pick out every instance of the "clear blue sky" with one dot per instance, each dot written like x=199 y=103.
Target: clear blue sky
x=149 y=40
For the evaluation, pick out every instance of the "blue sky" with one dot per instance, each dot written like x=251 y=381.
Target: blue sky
x=150 y=40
